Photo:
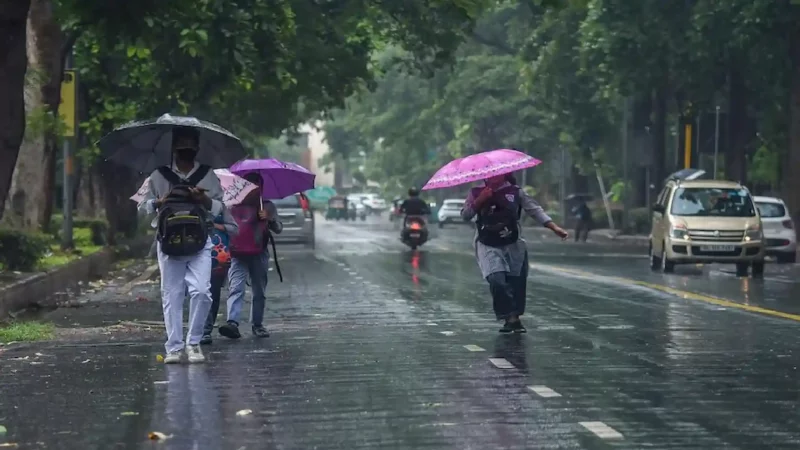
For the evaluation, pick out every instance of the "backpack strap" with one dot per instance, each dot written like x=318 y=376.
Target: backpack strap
x=175 y=180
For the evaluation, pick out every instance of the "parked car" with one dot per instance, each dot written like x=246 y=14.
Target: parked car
x=298 y=222
x=450 y=212
x=779 y=230
x=706 y=221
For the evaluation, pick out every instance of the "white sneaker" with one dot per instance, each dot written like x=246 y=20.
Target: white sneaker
x=194 y=354
x=173 y=358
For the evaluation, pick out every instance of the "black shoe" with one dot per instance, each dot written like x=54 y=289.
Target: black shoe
x=508 y=327
x=518 y=327
x=230 y=330
x=260 y=332
x=206 y=339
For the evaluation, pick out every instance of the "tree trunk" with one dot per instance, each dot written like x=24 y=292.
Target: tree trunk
x=791 y=186
x=659 y=133
x=117 y=185
x=13 y=64
x=28 y=194
x=740 y=129
x=50 y=40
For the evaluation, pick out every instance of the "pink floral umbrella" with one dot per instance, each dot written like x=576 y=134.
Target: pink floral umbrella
x=479 y=167
x=234 y=188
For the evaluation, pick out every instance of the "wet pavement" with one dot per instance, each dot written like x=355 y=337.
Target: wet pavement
x=377 y=347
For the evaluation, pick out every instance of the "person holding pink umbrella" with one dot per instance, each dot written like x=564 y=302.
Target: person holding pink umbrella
x=497 y=206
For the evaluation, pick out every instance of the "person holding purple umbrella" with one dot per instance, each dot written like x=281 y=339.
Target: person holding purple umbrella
x=501 y=252
x=256 y=220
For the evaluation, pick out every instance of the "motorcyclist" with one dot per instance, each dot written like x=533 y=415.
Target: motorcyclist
x=414 y=206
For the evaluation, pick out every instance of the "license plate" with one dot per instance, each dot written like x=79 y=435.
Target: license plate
x=414 y=235
x=717 y=248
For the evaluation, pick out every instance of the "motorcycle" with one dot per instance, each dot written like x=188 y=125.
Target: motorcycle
x=415 y=232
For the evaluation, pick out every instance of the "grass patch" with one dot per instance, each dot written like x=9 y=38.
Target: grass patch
x=26 y=331
x=58 y=257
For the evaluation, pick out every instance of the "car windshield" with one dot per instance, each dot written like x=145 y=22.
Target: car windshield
x=703 y=201
x=768 y=210
x=453 y=204
x=289 y=202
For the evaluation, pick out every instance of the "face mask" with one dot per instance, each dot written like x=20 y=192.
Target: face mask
x=185 y=154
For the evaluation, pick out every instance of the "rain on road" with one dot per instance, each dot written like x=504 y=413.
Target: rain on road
x=374 y=346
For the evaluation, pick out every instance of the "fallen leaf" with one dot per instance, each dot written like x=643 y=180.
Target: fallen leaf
x=244 y=412
x=129 y=413
x=9 y=445
x=3 y=430
x=86 y=361
x=160 y=358
x=157 y=436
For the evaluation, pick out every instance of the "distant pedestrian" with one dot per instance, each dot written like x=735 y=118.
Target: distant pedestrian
x=584 y=220
x=224 y=228
x=256 y=219
x=501 y=252
x=185 y=195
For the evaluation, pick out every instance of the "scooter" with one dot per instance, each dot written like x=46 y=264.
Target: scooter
x=415 y=232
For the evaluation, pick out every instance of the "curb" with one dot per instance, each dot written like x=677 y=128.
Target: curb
x=45 y=289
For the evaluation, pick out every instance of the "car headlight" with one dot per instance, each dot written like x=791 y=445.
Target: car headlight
x=753 y=233
x=679 y=232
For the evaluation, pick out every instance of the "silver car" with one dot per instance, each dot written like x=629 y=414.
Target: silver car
x=298 y=223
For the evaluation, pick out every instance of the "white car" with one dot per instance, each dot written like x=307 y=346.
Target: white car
x=374 y=204
x=450 y=211
x=779 y=229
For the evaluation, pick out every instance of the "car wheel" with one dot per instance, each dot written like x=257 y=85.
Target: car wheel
x=758 y=269
x=787 y=258
x=655 y=263
x=312 y=243
x=667 y=266
x=741 y=269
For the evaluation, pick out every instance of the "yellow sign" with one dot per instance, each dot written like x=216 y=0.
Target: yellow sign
x=67 y=109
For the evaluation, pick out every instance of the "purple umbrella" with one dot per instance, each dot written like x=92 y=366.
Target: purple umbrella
x=281 y=179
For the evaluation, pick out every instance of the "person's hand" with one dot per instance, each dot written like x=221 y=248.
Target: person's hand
x=199 y=196
x=485 y=195
x=263 y=214
x=160 y=201
x=560 y=232
x=219 y=226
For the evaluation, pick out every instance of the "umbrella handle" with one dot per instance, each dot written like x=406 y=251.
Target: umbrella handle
x=261 y=203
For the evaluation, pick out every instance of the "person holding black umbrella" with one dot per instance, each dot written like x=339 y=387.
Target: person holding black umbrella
x=185 y=196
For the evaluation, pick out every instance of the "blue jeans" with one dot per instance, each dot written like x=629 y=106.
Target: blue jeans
x=217 y=282
x=255 y=267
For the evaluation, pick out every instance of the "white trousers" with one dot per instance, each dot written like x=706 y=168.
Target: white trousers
x=177 y=274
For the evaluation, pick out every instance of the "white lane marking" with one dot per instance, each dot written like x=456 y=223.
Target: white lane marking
x=615 y=327
x=544 y=391
x=161 y=382
x=447 y=333
x=501 y=363
x=555 y=327
x=602 y=430
x=474 y=348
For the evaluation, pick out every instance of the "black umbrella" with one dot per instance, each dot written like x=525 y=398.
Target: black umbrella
x=147 y=144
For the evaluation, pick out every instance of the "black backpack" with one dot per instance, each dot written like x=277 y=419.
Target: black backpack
x=183 y=226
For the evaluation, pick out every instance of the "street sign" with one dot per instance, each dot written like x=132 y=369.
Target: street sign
x=67 y=108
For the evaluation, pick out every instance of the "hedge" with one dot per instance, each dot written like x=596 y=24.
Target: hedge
x=98 y=227
x=22 y=251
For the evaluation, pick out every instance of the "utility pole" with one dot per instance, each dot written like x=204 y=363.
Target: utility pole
x=625 y=163
x=716 y=141
x=68 y=112
x=562 y=185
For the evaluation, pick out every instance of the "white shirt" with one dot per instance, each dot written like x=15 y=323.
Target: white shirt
x=159 y=187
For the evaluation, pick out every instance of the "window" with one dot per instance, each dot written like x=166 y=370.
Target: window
x=770 y=209
x=291 y=201
x=712 y=202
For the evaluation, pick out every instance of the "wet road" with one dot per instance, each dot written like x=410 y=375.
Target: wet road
x=377 y=347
